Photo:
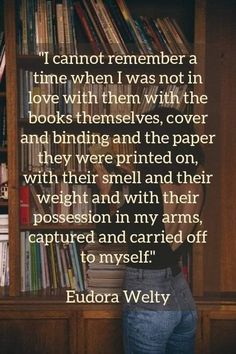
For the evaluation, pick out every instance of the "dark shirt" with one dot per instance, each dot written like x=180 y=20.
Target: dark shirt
x=164 y=256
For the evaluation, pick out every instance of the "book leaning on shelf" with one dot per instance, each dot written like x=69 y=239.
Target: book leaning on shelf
x=94 y=26
x=2 y=57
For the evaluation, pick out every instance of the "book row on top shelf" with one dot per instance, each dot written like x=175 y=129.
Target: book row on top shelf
x=93 y=26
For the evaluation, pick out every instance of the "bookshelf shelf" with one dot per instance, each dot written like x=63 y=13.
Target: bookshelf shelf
x=2 y=94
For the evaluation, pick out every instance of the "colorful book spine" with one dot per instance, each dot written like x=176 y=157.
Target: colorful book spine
x=24 y=205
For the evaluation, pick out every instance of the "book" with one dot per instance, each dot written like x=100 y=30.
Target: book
x=24 y=205
x=62 y=26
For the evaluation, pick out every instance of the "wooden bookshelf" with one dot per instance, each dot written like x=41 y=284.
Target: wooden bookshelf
x=87 y=328
x=184 y=14
x=182 y=11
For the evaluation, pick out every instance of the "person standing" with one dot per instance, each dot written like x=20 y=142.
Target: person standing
x=160 y=317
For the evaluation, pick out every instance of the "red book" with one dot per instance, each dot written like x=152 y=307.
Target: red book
x=85 y=24
x=24 y=205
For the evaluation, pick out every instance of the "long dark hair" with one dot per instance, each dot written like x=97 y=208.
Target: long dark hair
x=181 y=149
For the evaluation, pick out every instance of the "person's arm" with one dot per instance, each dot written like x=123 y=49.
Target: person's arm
x=177 y=208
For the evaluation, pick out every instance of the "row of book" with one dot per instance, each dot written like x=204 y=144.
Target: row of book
x=59 y=198
x=53 y=267
x=79 y=99
x=2 y=57
x=94 y=26
x=58 y=266
x=37 y=156
x=31 y=162
x=3 y=125
x=4 y=251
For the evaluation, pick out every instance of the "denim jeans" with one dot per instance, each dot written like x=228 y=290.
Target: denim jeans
x=152 y=328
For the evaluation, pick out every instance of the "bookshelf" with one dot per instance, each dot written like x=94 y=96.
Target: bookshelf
x=182 y=11
x=18 y=61
x=30 y=62
x=97 y=326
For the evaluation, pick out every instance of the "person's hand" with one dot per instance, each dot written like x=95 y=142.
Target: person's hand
x=104 y=188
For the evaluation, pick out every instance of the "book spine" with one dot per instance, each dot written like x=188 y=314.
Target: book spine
x=60 y=29
x=181 y=34
x=53 y=263
x=67 y=27
x=43 y=265
x=122 y=25
x=23 y=261
x=86 y=26
x=60 y=267
x=64 y=266
x=130 y=22
x=78 y=266
x=50 y=27
x=98 y=30
x=24 y=205
x=27 y=262
x=111 y=32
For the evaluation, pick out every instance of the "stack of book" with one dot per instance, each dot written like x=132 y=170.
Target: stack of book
x=96 y=26
x=4 y=251
x=50 y=268
x=3 y=129
x=105 y=277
